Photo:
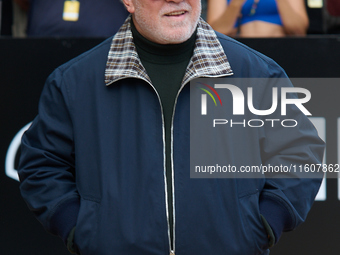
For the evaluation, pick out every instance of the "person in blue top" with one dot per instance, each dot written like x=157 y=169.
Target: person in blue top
x=258 y=18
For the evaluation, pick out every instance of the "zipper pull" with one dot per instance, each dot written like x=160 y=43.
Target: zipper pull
x=172 y=253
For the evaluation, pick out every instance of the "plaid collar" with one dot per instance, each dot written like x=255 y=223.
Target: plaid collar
x=208 y=60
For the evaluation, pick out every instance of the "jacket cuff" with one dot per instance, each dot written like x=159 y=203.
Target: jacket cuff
x=276 y=214
x=65 y=218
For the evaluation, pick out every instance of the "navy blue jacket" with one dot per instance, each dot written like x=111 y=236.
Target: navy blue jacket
x=94 y=158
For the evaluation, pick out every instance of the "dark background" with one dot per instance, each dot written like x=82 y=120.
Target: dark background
x=25 y=65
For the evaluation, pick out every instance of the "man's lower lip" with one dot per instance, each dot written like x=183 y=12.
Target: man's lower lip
x=176 y=17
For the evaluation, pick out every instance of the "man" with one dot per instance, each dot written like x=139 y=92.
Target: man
x=106 y=168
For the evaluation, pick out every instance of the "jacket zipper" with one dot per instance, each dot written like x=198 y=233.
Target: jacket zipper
x=171 y=245
x=172 y=248
x=172 y=251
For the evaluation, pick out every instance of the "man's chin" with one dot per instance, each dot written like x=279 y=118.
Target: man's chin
x=177 y=36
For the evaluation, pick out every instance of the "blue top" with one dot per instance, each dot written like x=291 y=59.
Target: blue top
x=266 y=11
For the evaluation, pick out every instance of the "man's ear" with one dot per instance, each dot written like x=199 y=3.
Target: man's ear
x=130 y=7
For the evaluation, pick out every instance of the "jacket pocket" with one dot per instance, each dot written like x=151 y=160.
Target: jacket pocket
x=86 y=228
x=253 y=225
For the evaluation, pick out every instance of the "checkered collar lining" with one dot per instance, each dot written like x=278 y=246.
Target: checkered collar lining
x=208 y=60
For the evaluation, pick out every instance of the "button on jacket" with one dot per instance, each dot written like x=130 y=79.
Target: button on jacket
x=94 y=158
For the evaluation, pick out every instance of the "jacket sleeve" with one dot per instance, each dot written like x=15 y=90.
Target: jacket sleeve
x=286 y=199
x=47 y=162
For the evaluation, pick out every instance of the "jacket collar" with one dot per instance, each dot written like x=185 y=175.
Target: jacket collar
x=208 y=60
